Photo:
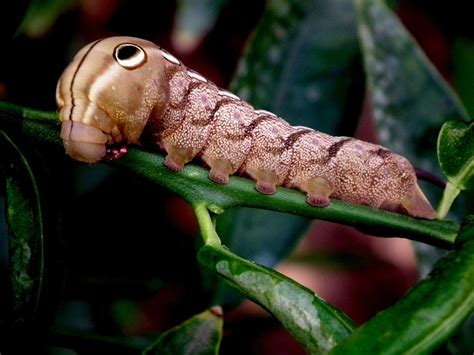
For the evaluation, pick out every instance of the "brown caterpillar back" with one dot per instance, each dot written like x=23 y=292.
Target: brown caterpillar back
x=124 y=89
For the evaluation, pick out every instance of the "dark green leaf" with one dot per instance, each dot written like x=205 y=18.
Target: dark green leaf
x=410 y=98
x=38 y=126
x=299 y=62
x=463 y=57
x=200 y=335
x=25 y=232
x=431 y=311
x=314 y=323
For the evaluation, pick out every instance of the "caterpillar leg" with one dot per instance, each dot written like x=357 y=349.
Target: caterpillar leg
x=417 y=205
x=220 y=171
x=266 y=182
x=318 y=191
x=177 y=157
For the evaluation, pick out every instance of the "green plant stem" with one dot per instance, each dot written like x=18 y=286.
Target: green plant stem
x=206 y=226
x=449 y=195
x=194 y=186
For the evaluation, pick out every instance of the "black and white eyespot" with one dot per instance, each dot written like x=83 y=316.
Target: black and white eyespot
x=129 y=56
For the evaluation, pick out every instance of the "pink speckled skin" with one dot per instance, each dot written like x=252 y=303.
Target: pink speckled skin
x=191 y=117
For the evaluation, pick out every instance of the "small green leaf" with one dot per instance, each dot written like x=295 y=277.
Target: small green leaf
x=456 y=159
x=431 y=311
x=200 y=335
x=25 y=232
x=314 y=323
x=456 y=153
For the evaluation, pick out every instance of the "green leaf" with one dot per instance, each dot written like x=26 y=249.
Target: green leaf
x=456 y=153
x=431 y=311
x=314 y=323
x=42 y=14
x=198 y=335
x=25 y=232
x=298 y=64
x=38 y=126
x=410 y=98
x=456 y=159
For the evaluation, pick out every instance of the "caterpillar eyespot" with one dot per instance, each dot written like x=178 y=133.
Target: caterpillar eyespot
x=161 y=102
x=129 y=55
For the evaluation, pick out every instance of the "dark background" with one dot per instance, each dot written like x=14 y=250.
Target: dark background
x=124 y=260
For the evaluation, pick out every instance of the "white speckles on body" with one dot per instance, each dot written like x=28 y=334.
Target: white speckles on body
x=268 y=145
x=169 y=57
x=228 y=94
x=265 y=112
x=228 y=139
x=303 y=127
x=196 y=75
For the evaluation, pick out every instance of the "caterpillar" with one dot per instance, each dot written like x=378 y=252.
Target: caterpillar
x=130 y=91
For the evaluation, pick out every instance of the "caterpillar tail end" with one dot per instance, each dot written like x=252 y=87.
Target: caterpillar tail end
x=417 y=205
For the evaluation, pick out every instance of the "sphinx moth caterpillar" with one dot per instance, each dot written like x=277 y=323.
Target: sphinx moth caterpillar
x=128 y=90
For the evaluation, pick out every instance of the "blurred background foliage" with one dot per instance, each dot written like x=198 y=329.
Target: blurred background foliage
x=122 y=264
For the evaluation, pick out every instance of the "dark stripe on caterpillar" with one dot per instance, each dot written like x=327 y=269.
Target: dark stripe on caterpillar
x=256 y=122
x=293 y=138
x=335 y=147
x=81 y=62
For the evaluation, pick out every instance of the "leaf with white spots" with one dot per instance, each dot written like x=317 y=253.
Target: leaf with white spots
x=200 y=335
x=25 y=233
x=314 y=323
x=410 y=99
x=299 y=62
x=405 y=86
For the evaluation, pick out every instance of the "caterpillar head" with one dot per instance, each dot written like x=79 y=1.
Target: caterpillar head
x=107 y=94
